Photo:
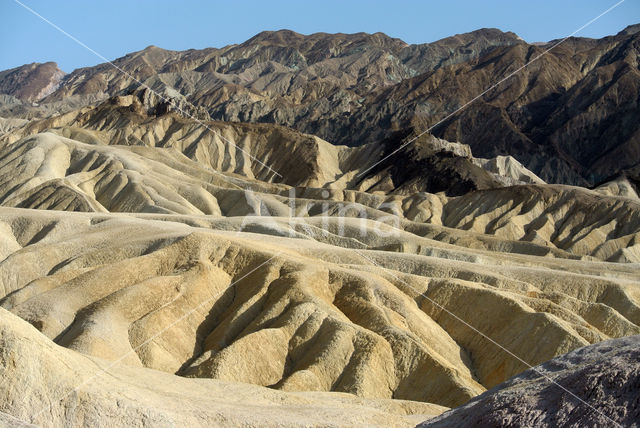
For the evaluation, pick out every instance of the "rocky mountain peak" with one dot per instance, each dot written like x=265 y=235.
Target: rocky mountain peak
x=358 y=89
x=630 y=30
x=283 y=37
x=31 y=82
x=221 y=231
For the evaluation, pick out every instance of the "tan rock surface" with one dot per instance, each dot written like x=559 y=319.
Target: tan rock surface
x=51 y=386
x=570 y=117
x=49 y=171
x=272 y=153
x=210 y=300
x=206 y=253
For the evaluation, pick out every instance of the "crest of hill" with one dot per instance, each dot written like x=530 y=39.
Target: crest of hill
x=31 y=82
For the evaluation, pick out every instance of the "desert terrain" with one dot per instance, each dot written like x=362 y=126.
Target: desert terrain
x=262 y=235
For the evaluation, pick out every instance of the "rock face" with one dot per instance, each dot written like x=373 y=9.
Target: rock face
x=605 y=376
x=31 y=82
x=276 y=154
x=569 y=117
x=73 y=169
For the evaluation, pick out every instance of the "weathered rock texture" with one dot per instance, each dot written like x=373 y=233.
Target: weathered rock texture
x=70 y=168
x=276 y=154
x=604 y=385
x=221 y=252
x=31 y=82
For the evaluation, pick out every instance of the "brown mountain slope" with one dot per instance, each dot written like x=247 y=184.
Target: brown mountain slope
x=284 y=63
x=273 y=153
x=31 y=82
x=569 y=116
x=260 y=254
x=169 y=164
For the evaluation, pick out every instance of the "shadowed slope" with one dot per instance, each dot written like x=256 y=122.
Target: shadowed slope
x=52 y=386
x=297 y=314
x=569 y=116
x=276 y=154
x=48 y=171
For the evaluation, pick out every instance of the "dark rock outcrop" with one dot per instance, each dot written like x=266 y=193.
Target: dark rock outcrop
x=598 y=385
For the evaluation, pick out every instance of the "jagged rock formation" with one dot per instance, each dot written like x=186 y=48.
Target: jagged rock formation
x=605 y=375
x=284 y=64
x=51 y=386
x=49 y=171
x=620 y=186
x=626 y=183
x=71 y=168
x=569 y=117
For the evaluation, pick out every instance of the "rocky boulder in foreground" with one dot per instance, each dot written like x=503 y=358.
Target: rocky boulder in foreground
x=605 y=375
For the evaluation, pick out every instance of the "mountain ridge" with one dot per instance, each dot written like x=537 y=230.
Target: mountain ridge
x=354 y=89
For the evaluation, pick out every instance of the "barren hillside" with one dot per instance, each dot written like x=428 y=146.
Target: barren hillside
x=311 y=257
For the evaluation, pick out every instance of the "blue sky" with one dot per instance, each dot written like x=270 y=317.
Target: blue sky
x=114 y=28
